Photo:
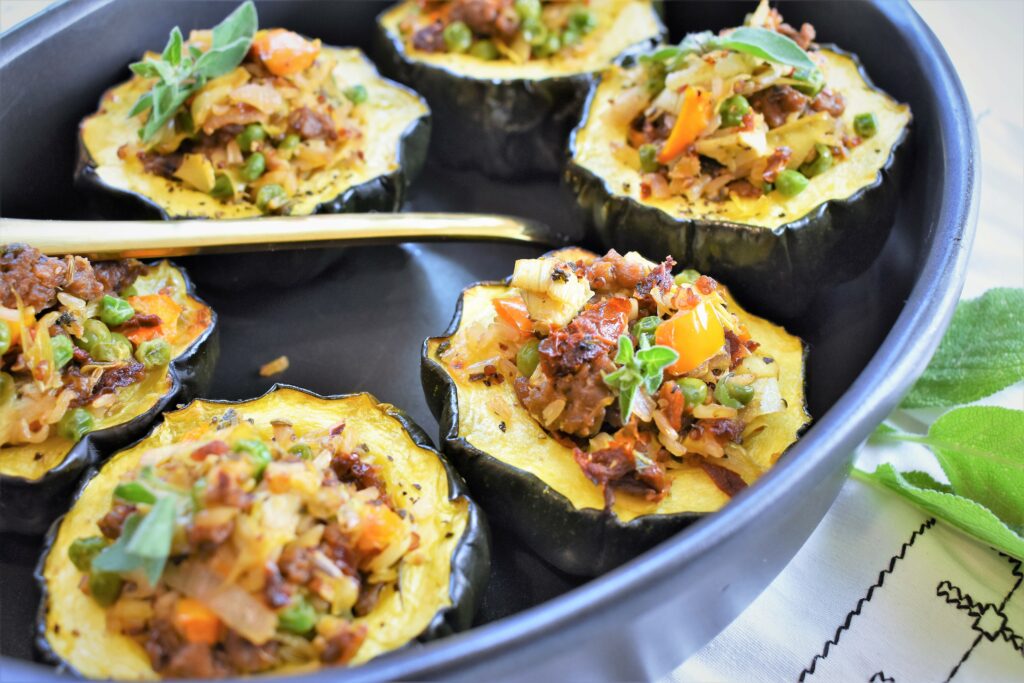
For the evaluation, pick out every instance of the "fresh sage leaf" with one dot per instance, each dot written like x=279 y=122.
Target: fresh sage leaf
x=982 y=352
x=219 y=61
x=642 y=369
x=146 y=69
x=151 y=542
x=242 y=23
x=981 y=450
x=963 y=513
x=767 y=45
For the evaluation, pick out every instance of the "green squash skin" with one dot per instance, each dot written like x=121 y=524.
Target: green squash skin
x=28 y=506
x=585 y=542
x=470 y=563
x=778 y=271
x=517 y=127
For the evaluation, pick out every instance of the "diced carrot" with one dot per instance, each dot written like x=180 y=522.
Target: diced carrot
x=196 y=622
x=694 y=116
x=696 y=335
x=512 y=309
x=284 y=52
x=160 y=305
x=379 y=525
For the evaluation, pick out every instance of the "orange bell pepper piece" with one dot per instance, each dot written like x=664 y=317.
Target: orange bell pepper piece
x=160 y=305
x=696 y=335
x=196 y=622
x=379 y=526
x=284 y=52
x=694 y=116
x=512 y=309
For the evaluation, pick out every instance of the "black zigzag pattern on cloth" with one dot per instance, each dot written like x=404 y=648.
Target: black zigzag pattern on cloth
x=880 y=677
x=927 y=524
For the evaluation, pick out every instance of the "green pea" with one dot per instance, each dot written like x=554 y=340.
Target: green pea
x=302 y=450
x=254 y=167
x=153 y=353
x=571 y=37
x=290 y=142
x=105 y=587
x=357 y=94
x=116 y=348
x=812 y=81
x=582 y=20
x=865 y=125
x=791 y=183
x=271 y=197
x=649 y=158
x=62 y=350
x=733 y=110
x=457 y=37
x=222 y=187
x=528 y=9
x=656 y=72
x=768 y=188
x=733 y=395
x=94 y=332
x=115 y=311
x=484 y=49
x=5 y=337
x=82 y=550
x=822 y=162
x=687 y=277
x=528 y=357
x=259 y=454
x=534 y=31
x=694 y=390
x=75 y=424
x=646 y=325
x=299 y=617
x=252 y=134
x=551 y=45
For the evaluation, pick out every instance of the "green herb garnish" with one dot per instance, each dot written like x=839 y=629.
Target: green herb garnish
x=144 y=544
x=980 y=449
x=758 y=42
x=638 y=370
x=982 y=352
x=179 y=75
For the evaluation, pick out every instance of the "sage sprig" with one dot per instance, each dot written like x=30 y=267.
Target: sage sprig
x=179 y=75
x=980 y=449
x=758 y=42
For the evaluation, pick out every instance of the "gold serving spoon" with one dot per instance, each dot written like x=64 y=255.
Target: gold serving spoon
x=147 y=239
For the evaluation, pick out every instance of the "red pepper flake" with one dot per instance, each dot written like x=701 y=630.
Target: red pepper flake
x=645 y=190
x=706 y=285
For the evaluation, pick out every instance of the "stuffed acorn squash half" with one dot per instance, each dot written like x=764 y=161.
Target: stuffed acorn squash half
x=280 y=534
x=598 y=405
x=506 y=79
x=755 y=154
x=90 y=354
x=237 y=122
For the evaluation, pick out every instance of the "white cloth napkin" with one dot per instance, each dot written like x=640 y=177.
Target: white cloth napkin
x=881 y=591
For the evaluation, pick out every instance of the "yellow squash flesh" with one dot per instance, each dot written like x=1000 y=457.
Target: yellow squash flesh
x=526 y=446
x=32 y=461
x=621 y=24
x=76 y=624
x=595 y=138
x=385 y=116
